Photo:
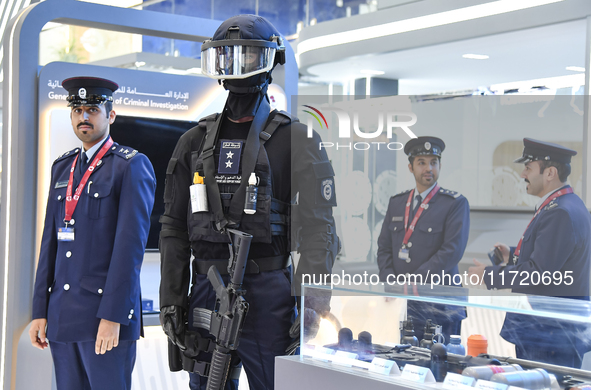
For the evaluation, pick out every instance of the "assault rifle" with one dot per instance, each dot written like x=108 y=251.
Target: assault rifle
x=227 y=318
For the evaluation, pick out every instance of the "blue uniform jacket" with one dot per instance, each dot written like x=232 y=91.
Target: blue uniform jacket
x=438 y=242
x=557 y=240
x=98 y=274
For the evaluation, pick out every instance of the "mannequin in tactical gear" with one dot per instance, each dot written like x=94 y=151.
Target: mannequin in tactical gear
x=224 y=150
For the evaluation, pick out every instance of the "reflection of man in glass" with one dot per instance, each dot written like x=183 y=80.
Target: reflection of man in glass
x=552 y=258
x=425 y=231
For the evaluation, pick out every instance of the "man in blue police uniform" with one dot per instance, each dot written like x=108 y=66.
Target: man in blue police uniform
x=425 y=231
x=224 y=151
x=87 y=301
x=556 y=242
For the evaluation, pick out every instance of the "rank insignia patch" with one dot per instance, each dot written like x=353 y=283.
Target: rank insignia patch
x=229 y=163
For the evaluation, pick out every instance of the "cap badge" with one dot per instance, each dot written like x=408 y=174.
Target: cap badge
x=82 y=93
x=428 y=145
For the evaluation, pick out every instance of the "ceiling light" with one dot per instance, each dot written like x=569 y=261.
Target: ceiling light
x=575 y=68
x=419 y=23
x=372 y=72
x=476 y=56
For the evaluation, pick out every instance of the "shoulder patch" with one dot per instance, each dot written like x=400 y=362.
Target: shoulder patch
x=124 y=151
x=67 y=154
x=451 y=193
x=401 y=193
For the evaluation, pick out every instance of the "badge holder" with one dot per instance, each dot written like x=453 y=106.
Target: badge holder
x=65 y=233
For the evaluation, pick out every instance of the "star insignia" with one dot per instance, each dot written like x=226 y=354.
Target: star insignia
x=230 y=154
x=229 y=163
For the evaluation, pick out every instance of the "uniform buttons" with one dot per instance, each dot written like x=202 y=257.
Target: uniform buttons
x=49 y=289
x=96 y=194
x=131 y=311
x=429 y=230
x=408 y=260
x=59 y=197
x=130 y=316
x=72 y=221
x=495 y=289
x=113 y=148
x=100 y=290
x=394 y=227
x=66 y=286
x=68 y=254
x=409 y=244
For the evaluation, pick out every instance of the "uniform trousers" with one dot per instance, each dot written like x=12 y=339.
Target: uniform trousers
x=78 y=367
x=266 y=328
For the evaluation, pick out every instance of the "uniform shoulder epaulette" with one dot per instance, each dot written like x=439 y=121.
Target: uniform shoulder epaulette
x=401 y=193
x=553 y=203
x=67 y=154
x=453 y=194
x=124 y=151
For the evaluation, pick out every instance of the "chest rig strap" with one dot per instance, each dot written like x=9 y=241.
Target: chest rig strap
x=255 y=140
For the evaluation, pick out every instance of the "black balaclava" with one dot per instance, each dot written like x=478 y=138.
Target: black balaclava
x=245 y=95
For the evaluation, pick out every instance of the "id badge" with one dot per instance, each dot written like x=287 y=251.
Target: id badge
x=65 y=234
x=403 y=254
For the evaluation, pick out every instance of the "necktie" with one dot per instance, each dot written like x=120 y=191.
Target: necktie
x=83 y=162
x=416 y=207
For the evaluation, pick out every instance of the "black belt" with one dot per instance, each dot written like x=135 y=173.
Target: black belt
x=253 y=266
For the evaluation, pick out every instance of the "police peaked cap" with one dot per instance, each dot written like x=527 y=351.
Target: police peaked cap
x=88 y=91
x=249 y=27
x=534 y=150
x=428 y=146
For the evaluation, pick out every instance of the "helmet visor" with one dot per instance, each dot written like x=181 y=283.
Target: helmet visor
x=236 y=61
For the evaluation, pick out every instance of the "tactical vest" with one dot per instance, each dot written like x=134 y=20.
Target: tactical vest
x=272 y=215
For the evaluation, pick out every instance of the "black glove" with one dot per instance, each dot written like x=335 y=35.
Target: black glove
x=174 y=324
x=311 y=326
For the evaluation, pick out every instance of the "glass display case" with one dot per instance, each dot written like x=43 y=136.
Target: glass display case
x=369 y=333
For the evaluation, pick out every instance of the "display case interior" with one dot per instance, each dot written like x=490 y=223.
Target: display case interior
x=389 y=334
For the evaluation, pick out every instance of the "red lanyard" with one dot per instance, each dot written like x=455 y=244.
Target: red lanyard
x=557 y=194
x=72 y=202
x=410 y=229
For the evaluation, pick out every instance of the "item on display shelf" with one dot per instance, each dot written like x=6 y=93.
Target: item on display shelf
x=566 y=377
x=439 y=361
x=486 y=372
x=536 y=379
x=345 y=339
x=228 y=318
x=431 y=335
x=407 y=330
x=477 y=344
x=421 y=357
x=455 y=345
x=363 y=346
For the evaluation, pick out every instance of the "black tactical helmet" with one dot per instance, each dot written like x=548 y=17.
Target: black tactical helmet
x=243 y=46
